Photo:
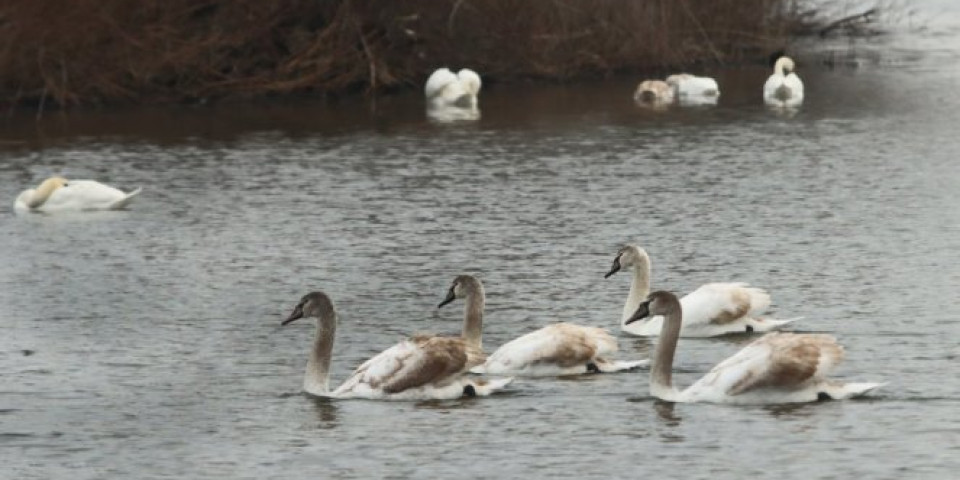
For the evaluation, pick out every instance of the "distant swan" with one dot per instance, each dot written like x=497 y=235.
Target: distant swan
x=691 y=90
x=654 y=93
x=783 y=88
x=711 y=310
x=776 y=368
x=57 y=194
x=419 y=368
x=557 y=349
x=444 y=89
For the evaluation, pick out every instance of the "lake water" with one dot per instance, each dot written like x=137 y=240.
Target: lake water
x=146 y=343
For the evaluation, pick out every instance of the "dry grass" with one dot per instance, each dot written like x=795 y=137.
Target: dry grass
x=126 y=51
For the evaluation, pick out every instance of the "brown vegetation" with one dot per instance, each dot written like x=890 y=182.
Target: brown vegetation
x=70 y=52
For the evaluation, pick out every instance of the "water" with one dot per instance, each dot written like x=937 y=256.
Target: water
x=146 y=343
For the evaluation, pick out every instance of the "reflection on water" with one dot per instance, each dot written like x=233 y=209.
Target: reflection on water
x=153 y=331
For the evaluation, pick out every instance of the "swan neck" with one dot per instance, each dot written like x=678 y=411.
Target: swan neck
x=473 y=316
x=39 y=196
x=661 y=371
x=639 y=289
x=317 y=377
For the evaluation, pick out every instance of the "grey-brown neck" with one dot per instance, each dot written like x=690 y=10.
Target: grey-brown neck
x=316 y=380
x=473 y=313
x=661 y=371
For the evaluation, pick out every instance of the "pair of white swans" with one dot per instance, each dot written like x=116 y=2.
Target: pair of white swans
x=57 y=194
x=435 y=367
x=776 y=368
x=452 y=97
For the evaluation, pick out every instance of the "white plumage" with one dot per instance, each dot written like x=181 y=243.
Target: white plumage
x=61 y=195
x=783 y=88
x=446 y=89
x=691 y=90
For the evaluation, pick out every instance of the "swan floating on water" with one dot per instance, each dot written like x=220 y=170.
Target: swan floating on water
x=655 y=93
x=783 y=88
x=776 y=368
x=444 y=89
x=711 y=310
x=691 y=90
x=554 y=350
x=57 y=194
x=419 y=368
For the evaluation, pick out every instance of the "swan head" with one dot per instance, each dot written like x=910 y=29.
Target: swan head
x=784 y=66
x=657 y=303
x=630 y=256
x=313 y=304
x=461 y=287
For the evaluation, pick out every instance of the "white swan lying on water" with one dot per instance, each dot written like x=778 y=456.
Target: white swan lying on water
x=776 y=368
x=711 y=310
x=419 y=368
x=557 y=349
x=783 y=88
x=57 y=194
x=691 y=90
x=444 y=89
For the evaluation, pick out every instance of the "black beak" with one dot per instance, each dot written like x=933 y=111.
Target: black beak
x=296 y=314
x=450 y=297
x=643 y=311
x=615 y=268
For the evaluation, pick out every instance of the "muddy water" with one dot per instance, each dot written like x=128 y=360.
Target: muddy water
x=145 y=343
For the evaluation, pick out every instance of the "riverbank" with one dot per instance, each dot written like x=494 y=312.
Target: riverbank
x=98 y=52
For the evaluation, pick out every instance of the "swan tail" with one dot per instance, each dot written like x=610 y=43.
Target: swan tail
x=484 y=387
x=768 y=324
x=610 y=366
x=123 y=202
x=853 y=390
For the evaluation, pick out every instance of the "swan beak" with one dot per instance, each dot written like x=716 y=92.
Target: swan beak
x=450 y=297
x=643 y=311
x=615 y=268
x=296 y=314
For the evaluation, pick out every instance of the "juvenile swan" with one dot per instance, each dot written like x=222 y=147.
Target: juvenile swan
x=711 y=310
x=419 y=368
x=783 y=88
x=776 y=368
x=57 y=194
x=653 y=93
x=557 y=349
x=444 y=89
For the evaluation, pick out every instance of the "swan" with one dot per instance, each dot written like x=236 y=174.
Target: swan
x=776 y=368
x=654 y=93
x=557 y=349
x=446 y=89
x=419 y=368
x=691 y=90
x=57 y=194
x=783 y=88
x=711 y=310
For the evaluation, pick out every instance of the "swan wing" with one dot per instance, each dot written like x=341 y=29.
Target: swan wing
x=783 y=361
x=440 y=79
x=722 y=303
x=560 y=344
x=470 y=81
x=795 y=85
x=419 y=361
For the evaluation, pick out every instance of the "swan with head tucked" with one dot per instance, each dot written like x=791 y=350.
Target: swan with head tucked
x=557 y=349
x=691 y=90
x=57 y=194
x=446 y=89
x=776 y=368
x=419 y=368
x=654 y=93
x=711 y=310
x=783 y=88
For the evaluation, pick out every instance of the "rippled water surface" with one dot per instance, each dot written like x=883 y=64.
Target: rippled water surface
x=146 y=343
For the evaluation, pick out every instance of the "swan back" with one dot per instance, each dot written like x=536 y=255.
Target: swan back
x=470 y=81
x=557 y=349
x=686 y=85
x=438 y=80
x=444 y=89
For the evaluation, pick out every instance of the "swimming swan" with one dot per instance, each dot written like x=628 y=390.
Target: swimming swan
x=776 y=368
x=444 y=89
x=711 y=310
x=419 y=368
x=57 y=194
x=557 y=349
x=783 y=88
x=691 y=90
x=654 y=93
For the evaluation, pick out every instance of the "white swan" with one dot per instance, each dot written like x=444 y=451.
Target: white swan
x=422 y=367
x=57 y=194
x=776 y=368
x=691 y=90
x=444 y=89
x=655 y=93
x=783 y=88
x=557 y=349
x=711 y=310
